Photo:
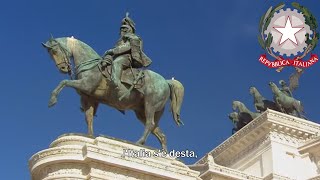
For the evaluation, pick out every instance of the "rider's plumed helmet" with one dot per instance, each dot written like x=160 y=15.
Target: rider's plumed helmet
x=127 y=22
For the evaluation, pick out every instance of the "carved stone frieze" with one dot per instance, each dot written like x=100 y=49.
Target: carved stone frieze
x=298 y=131
x=247 y=151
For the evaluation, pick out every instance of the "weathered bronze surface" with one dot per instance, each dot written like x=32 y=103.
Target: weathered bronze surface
x=261 y=104
x=97 y=81
x=239 y=120
x=286 y=104
x=241 y=115
x=283 y=101
x=127 y=53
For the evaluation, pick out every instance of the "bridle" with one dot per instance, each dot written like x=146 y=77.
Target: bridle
x=66 y=60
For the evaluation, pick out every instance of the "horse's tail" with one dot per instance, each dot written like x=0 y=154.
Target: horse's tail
x=176 y=96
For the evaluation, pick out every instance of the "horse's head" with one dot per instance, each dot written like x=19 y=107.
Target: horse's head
x=273 y=86
x=235 y=105
x=253 y=90
x=59 y=54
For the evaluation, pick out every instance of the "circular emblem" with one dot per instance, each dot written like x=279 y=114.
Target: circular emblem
x=287 y=33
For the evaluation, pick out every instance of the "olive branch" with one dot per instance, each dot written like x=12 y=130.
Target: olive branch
x=265 y=20
x=311 y=21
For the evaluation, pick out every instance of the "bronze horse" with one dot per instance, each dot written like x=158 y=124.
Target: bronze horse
x=94 y=87
x=237 y=105
x=286 y=103
x=260 y=103
x=239 y=120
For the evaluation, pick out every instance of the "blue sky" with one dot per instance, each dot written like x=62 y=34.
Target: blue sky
x=210 y=46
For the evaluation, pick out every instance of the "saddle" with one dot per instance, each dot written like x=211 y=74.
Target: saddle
x=133 y=77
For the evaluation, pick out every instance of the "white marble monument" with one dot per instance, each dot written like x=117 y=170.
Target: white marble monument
x=76 y=157
x=273 y=146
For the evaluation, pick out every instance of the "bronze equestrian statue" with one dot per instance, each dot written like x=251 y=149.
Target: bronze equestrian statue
x=97 y=80
x=127 y=52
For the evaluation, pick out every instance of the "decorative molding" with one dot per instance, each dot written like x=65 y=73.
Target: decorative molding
x=293 y=121
x=160 y=163
x=79 y=157
x=236 y=137
x=112 y=172
x=64 y=170
x=286 y=139
x=53 y=152
x=72 y=139
x=270 y=121
x=311 y=146
x=232 y=173
x=277 y=177
x=247 y=151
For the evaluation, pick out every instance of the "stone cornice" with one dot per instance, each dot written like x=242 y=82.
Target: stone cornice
x=228 y=172
x=214 y=171
x=267 y=122
x=74 y=154
x=240 y=159
x=276 y=176
x=312 y=146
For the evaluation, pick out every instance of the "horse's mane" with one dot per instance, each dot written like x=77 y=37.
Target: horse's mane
x=63 y=41
x=89 y=48
x=258 y=95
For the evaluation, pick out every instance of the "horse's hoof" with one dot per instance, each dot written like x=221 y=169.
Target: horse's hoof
x=140 y=142
x=52 y=102
x=91 y=135
x=165 y=149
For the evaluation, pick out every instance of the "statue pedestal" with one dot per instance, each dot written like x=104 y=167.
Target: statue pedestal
x=274 y=146
x=79 y=157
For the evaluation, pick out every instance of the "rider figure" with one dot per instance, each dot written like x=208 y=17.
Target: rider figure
x=127 y=51
x=285 y=88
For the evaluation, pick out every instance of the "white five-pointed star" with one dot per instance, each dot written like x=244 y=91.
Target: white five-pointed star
x=288 y=32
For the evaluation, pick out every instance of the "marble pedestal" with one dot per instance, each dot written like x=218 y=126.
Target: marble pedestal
x=78 y=157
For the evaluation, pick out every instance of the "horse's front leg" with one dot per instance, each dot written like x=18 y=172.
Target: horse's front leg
x=55 y=93
x=279 y=105
x=80 y=85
